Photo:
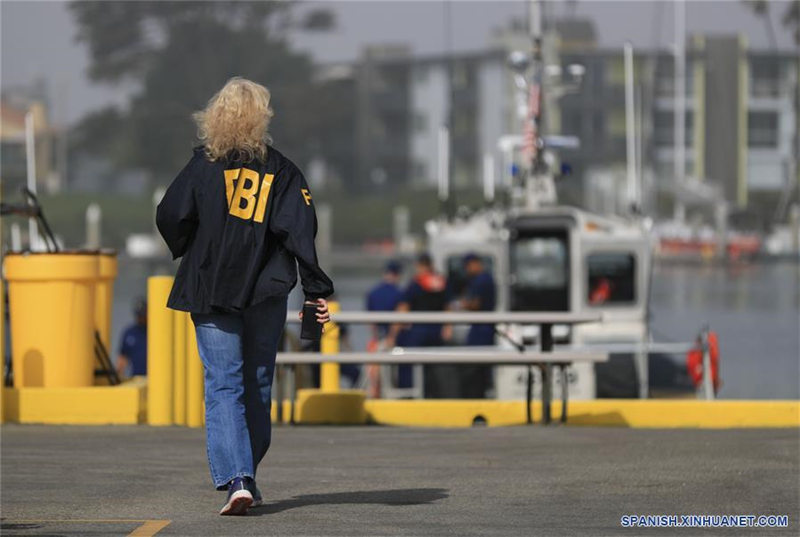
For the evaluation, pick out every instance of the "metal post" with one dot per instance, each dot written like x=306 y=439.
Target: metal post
x=630 y=129
x=292 y=385
x=444 y=164
x=708 y=382
x=564 y=391
x=680 y=104
x=529 y=397
x=488 y=177
x=401 y=223
x=721 y=221
x=643 y=373
x=794 y=226
x=547 y=386
x=94 y=216
x=30 y=159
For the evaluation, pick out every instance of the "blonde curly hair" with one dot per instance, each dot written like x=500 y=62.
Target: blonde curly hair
x=236 y=120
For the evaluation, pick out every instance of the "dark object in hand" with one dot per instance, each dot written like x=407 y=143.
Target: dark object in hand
x=310 y=328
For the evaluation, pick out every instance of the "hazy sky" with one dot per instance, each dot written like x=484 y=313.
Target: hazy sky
x=37 y=38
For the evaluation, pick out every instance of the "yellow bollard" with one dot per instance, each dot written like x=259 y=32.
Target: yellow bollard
x=195 y=409
x=104 y=295
x=179 y=367
x=159 y=351
x=329 y=371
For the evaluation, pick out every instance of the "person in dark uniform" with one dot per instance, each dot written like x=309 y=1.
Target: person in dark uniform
x=480 y=295
x=132 y=357
x=385 y=296
x=241 y=216
x=427 y=292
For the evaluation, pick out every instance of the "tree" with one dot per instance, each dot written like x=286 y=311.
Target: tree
x=790 y=18
x=178 y=54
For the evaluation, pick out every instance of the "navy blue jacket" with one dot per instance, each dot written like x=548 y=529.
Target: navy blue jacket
x=243 y=229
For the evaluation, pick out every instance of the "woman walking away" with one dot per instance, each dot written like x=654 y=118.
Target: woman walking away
x=242 y=217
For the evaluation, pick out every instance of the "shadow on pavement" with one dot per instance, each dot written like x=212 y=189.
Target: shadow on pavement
x=382 y=497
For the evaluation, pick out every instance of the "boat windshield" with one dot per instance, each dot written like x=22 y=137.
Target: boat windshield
x=541 y=262
x=540 y=271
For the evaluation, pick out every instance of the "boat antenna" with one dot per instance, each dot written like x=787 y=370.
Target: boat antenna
x=446 y=198
x=632 y=191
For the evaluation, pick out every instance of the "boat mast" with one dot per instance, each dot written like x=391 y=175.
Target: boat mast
x=539 y=183
x=680 y=107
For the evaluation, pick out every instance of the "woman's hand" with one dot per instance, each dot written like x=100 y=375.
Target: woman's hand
x=323 y=315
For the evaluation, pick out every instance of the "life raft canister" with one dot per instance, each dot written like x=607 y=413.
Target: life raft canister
x=694 y=361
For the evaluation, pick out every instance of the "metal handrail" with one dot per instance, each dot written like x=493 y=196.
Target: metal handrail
x=500 y=357
x=458 y=317
x=545 y=359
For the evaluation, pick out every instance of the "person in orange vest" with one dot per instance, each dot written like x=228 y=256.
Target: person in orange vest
x=427 y=291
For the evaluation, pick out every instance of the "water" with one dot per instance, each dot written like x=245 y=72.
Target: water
x=755 y=310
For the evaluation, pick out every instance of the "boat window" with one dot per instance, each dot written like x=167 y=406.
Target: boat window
x=540 y=262
x=540 y=270
x=612 y=278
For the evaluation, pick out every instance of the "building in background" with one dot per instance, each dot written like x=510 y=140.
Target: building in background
x=741 y=118
x=14 y=106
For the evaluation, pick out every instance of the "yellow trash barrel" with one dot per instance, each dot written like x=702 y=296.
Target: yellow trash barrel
x=104 y=295
x=51 y=309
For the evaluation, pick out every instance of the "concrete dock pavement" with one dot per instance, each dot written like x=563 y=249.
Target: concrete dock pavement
x=368 y=481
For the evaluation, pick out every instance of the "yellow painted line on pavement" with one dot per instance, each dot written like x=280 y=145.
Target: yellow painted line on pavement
x=148 y=528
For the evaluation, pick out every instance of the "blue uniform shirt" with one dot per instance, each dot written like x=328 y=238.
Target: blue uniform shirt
x=134 y=347
x=482 y=288
x=383 y=297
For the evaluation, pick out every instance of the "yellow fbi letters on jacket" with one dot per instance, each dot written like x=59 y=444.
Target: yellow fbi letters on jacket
x=241 y=189
x=242 y=195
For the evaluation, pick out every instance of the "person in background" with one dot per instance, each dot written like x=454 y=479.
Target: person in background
x=480 y=295
x=132 y=358
x=384 y=297
x=426 y=292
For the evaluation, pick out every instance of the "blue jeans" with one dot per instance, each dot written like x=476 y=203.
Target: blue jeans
x=238 y=353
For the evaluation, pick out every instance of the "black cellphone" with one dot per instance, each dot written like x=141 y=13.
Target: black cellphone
x=310 y=328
